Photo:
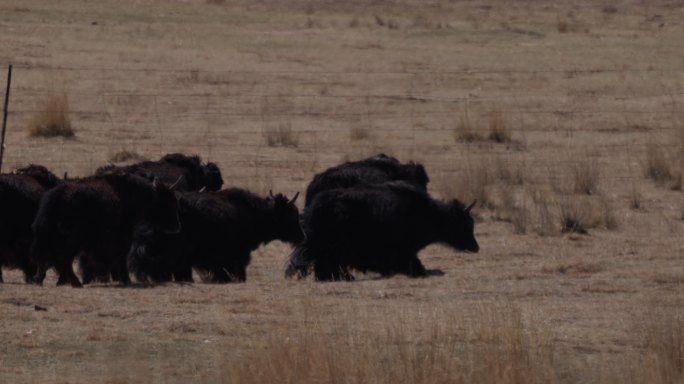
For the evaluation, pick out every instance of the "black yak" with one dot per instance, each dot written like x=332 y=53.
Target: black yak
x=20 y=194
x=378 y=228
x=94 y=218
x=186 y=171
x=220 y=230
x=377 y=169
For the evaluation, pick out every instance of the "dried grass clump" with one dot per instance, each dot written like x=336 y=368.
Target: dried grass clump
x=635 y=198
x=509 y=172
x=585 y=177
x=477 y=184
x=544 y=207
x=464 y=131
x=499 y=347
x=281 y=136
x=659 y=167
x=52 y=118
x=580 y=215
x=126 y=155
x=359 y=134
x=499 y=131
x=574 y=217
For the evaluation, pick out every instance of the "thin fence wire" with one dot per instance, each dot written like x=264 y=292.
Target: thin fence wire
x=416 y=114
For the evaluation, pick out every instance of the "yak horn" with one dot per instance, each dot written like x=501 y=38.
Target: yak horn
x=471 y=206
x=173 y=186
x=203 y=189
x=294 y=198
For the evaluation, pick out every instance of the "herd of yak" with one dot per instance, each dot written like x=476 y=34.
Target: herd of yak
x=159 y=220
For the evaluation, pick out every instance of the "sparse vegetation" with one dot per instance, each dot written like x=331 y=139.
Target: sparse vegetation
x=635 y=198
x=544 y=207
x=574 y=217
x=281 y=136
x=126 y=155
x=500 y=347
x=52 y=118
x=499 y=132
x=464 y=131
x=359 y=133
x=586 y=175
x=659 y=166
x=664 y=338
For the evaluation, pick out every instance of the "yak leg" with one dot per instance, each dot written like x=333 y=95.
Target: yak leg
x=66 y=274
x=29 y=270
x=41 y=270
x=183 y=274
x=121 y=275
x=415 y=268
x=325 y=270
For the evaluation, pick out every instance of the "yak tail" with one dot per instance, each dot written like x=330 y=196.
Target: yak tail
x=300 y=262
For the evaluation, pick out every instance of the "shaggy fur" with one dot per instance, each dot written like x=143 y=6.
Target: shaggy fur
x=378 y=228
x=186 y=172
x=94 y=217
x=220 y=230
x=20 y=194
x=377 y=169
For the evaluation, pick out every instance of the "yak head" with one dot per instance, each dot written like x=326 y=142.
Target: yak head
x=212 y=177
x=163 y=213
x=287 y=227
x=462 y=227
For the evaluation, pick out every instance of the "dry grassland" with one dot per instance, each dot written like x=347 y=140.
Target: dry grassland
x=564 y=119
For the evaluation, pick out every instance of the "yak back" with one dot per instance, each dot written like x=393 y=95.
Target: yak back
x=20 y=194
x=377 y=169
x=186 y=172
x=253 y=219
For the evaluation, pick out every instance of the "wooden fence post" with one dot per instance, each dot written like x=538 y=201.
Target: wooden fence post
x=4 y=115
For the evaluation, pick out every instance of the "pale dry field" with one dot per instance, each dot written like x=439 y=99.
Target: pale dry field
x=589 y=93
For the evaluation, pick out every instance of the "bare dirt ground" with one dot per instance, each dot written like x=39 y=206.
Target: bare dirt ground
x=584 y=90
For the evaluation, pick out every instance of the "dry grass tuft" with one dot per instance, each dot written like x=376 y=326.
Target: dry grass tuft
x=359 y=134
x=126 y=155
x=609 y=9
x=281 y=136
x=464 y=131
x=578 y=215
x=52 y=118
x=635 y=198
x=477 y=184
x=659 y=166
x=574 y=217
x=509 y=172
x=499 y=131
x=544 y=206
x=580 y=269
x=585 y=177
x=498 y=348
x=664 y=337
